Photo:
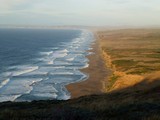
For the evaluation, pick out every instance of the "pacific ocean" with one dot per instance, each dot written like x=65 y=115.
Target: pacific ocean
x=36 y=64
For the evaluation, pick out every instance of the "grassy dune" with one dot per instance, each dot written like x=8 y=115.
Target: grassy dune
x=132 y=54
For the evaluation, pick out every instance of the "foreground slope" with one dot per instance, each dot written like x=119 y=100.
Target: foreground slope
x=129 y=103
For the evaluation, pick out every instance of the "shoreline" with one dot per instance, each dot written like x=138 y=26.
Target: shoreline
x=97 y=72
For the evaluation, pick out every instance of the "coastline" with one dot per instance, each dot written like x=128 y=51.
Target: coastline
x=97 y=73
x=127 y=98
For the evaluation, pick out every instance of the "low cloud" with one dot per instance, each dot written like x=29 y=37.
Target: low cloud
x=81 y=12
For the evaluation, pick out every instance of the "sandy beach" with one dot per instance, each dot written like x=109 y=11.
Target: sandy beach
x=97 y=73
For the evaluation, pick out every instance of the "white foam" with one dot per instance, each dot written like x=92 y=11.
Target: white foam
x=37 y=72
x=24 y=70
x=18 y=86
x=31 y=84
x=35 y=81
x=63 y=63
x=64 y=97
x=90 y=48
x=64 y=51
x=62 y=73
x=63 y=55
x=58 y=67
x=48 y=95
x=70 y=59
x=86 y=65
x=50 y=62
x=55 y=48
x=58 y=54
x=12 y=98
x=46 y=53
x=4 y=82
x=15 y=97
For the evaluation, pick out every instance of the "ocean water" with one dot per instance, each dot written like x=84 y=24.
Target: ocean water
x=36 y=64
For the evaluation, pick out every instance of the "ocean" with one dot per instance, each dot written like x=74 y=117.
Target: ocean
x=37 y=64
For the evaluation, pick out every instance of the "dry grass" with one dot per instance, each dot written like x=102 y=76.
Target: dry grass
x=132 y=53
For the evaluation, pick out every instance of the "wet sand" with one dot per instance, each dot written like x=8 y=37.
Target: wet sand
x=97 y=73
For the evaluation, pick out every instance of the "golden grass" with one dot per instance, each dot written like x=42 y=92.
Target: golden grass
x=132 y=54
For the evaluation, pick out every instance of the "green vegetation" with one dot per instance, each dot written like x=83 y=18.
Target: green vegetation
x=152 y=62
x=140 y=71
x=131 y=48
x=143 y=69
x=124 y=63
x=111 y=81
x=157 y=51
x=154 y=55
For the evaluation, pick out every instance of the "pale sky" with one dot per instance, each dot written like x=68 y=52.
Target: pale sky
x=80 y=12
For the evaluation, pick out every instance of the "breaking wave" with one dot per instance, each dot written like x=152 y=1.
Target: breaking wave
x=46 y=79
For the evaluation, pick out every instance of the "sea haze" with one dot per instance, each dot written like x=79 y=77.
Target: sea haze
x=36 y=64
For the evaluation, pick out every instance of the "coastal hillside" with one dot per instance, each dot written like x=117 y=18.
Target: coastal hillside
x=133 y=55
x=124 y=104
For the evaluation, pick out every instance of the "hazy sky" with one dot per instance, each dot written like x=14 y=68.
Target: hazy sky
x=80 y=12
